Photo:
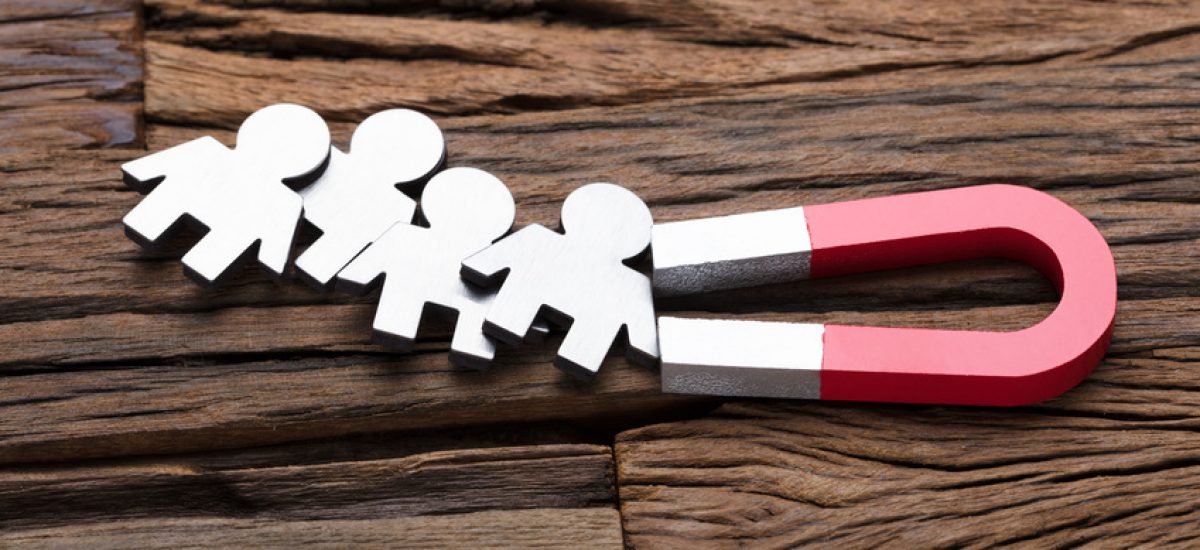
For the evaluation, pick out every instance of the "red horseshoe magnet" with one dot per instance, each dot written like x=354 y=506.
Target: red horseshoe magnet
x=862 y=363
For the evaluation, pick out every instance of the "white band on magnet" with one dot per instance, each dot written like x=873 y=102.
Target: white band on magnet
x=737 y=251
x=741 y=358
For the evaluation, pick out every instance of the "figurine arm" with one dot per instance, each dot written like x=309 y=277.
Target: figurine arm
x=164 y=205
x=364 y=270
x=485 y=266
x=144 y=173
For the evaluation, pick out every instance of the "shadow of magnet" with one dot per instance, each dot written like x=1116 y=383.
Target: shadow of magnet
x=864 y=363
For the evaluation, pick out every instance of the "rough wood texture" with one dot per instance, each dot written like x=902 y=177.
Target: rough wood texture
x=853 y=476
x=447 y=489
x=557 y=528
x=539 y=56
x=70 y=74
x=702 y=107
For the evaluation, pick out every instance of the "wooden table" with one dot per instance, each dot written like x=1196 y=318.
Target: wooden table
x=138 y=410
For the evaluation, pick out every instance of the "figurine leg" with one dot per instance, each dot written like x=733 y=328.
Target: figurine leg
x=152 y=217
x=584 y=349
x=275 y=246
x=397 y=319
x=510 y=316
x=213 y=258
x=469 y=347
x=328 y=255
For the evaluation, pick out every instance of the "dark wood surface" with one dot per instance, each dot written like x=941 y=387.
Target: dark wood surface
x=72 y=74
x=139 y=410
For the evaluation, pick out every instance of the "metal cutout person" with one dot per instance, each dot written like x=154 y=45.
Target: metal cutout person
x=466 y=209
x=356 y=200
x=578 y=276
x=241 y=196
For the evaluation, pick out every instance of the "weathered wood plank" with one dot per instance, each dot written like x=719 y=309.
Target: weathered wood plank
x=538 y=528
x=425 y=484
x=412 y=489
x=70 y=75
x=693 y=162
x=199 y=403
x=862 y=476
x=27 y=10
x=566 y=56
x=222 y=403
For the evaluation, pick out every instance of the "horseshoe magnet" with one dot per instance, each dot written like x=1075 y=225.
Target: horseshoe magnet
x=864 y=363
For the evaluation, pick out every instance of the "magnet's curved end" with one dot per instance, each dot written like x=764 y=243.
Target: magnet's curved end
x=967 y=367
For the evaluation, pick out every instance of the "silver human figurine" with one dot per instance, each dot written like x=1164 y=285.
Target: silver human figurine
x=356 y=199
x=578 y=277
x=466 y=209
x=241 y=196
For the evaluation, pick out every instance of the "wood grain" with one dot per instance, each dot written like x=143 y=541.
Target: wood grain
x=135 y=407
x=539 y=528
x=412 y=490
x=70 y=75
x=855 y=476
x=547 y=58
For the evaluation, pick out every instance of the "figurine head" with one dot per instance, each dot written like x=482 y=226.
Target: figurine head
x=608 y=215
x=284 y=140
x=400 y=145
x=469 y=202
